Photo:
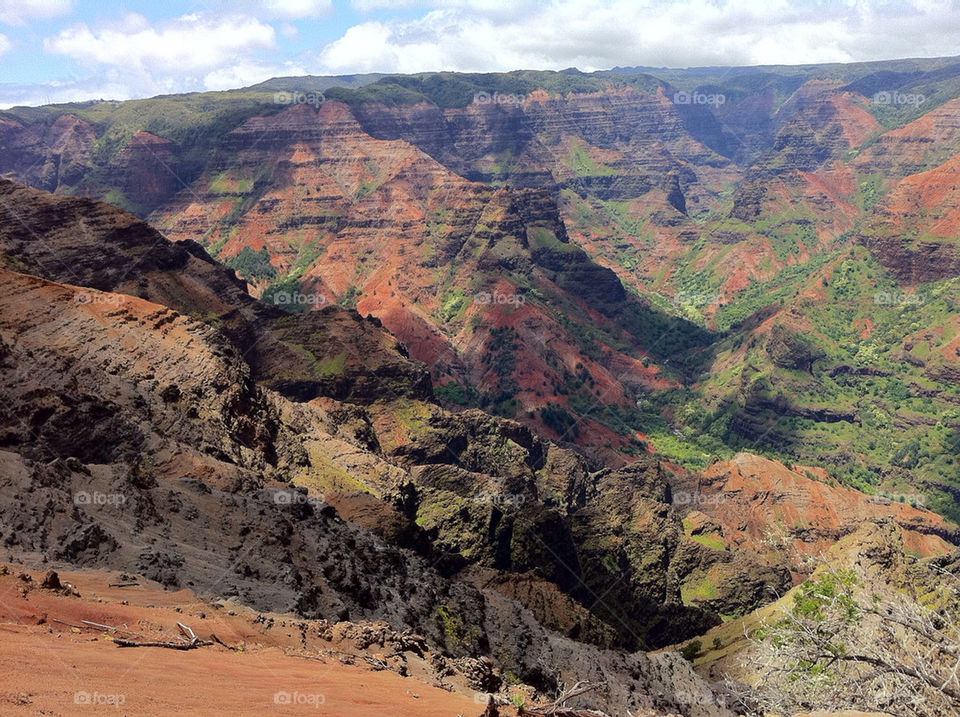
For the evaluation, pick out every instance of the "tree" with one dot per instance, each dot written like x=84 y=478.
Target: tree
x=839 y=646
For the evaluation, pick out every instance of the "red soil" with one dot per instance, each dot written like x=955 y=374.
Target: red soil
x=52 y=668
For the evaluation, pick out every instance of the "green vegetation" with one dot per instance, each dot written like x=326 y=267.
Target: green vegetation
x=500 y=361
x=332 y=366
x=691 y=650
x=840 y=646
x=453 y=392
x=288 y=295
x=580 y=161
x=560 y=421
x=458 y=634
x=854 y=373
x=251 y=264
x=194 y=122
x=349 y=299
x=851 y=392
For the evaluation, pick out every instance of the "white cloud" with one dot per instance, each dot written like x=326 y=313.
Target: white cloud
x=18 y=12
x=297 y=8
x=134 y=58
x=5 y=44
x=488 y=35
x=244 y=74
x=188 y=44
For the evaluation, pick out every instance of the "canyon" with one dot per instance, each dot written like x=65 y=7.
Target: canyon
x=544 y=373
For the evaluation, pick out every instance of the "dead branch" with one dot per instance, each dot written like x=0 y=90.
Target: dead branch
x=69 y=624
x=307 y=657
x=221 y=642
x=88 y=625
x=559 y=709
x=187 y=632
x=120 y=642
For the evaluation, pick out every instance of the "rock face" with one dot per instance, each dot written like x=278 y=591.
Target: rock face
x=915 y=261
x=143 y=171
x=913 y=230
x=643 y=133
x=123 y=455
x=50 y=155
x=505 y=240
x=553 y=258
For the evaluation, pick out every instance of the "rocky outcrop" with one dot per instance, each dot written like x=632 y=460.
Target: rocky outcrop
x=87 y=243
x=788 y=350
x=915 y=261
x=372 y=220
x=748 y=497
x=913 y=231
x=885 y=588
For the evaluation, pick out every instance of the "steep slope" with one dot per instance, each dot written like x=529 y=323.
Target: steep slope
x=92 y=244
x=748 y=499
x=836 y=366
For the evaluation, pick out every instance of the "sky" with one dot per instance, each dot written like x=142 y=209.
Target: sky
x=67 y=50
